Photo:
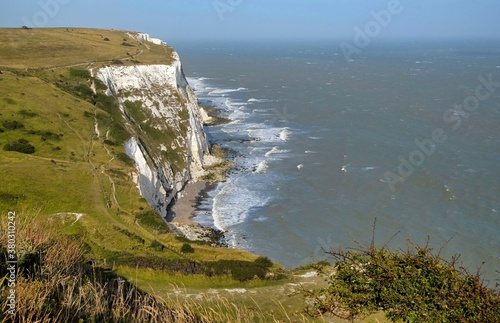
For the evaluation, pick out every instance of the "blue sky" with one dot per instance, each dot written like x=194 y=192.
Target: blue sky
x=263 y=19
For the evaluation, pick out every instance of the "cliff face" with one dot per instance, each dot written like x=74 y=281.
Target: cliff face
x=168 y=143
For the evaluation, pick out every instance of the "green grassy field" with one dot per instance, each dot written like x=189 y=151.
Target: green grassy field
x=64 y=47
x=72 y=169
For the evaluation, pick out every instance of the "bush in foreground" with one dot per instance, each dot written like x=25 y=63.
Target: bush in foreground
x=411 y=286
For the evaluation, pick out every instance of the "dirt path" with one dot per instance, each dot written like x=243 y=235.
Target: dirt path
x=89 y=64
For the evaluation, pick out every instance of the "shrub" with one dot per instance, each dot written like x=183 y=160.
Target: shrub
x=156 y=245
x=264 y=261
x=127 y=44
x=20 y=146
x=238 y=269
x=152 y=220
x=12 y=125
x=186 y=248
x=80 y=73
x=9 y=198
x=116 y=62
x=83 y=91
x=109 y=142
x=411 y=286
x=124 y=158
x=129 y=234
x=183 y=266
x=106 y=103
x=28 y=113
x=119 y=133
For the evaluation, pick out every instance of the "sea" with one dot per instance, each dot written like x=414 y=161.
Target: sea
x=397 y=145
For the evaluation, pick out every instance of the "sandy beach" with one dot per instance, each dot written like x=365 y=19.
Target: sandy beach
x=183 y=211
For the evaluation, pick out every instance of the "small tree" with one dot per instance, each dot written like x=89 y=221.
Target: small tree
x=264 y=261
x=186 y=248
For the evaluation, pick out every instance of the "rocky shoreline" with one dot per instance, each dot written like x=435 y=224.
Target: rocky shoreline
x=182 y=211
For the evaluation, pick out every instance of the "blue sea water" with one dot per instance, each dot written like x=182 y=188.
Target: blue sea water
x=314 y=138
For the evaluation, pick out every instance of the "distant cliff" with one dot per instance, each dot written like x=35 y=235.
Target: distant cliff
x=168 y=143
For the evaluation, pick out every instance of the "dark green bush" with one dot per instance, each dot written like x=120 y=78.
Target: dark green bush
x=264 y=261
x=81 y=73
x=238 y=269
x=129 y=234
x=83 y=91
x=119 y=133
x=156 y=245
x=106 y=103
x=28 y=113
x=411 y=286
x=12 y=125
x=124 y=158
x=9 y=198
x=184 y=266
x=20 y=146
x=152 y=220
x=186 y=248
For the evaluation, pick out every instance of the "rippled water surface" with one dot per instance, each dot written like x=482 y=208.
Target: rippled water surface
x=314 y=138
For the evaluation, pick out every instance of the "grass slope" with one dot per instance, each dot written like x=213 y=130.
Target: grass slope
x=73 y=170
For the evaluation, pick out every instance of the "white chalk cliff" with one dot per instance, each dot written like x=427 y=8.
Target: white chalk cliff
x=168 y=143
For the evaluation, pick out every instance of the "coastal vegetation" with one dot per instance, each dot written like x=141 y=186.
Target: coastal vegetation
x=416 y=285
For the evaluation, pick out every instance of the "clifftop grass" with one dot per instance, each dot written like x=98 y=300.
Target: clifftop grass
x=65 y=47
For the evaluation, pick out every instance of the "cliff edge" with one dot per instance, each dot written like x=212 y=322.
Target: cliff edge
x=168 y=143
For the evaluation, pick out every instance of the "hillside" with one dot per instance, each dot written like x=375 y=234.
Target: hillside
x=79 y=170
